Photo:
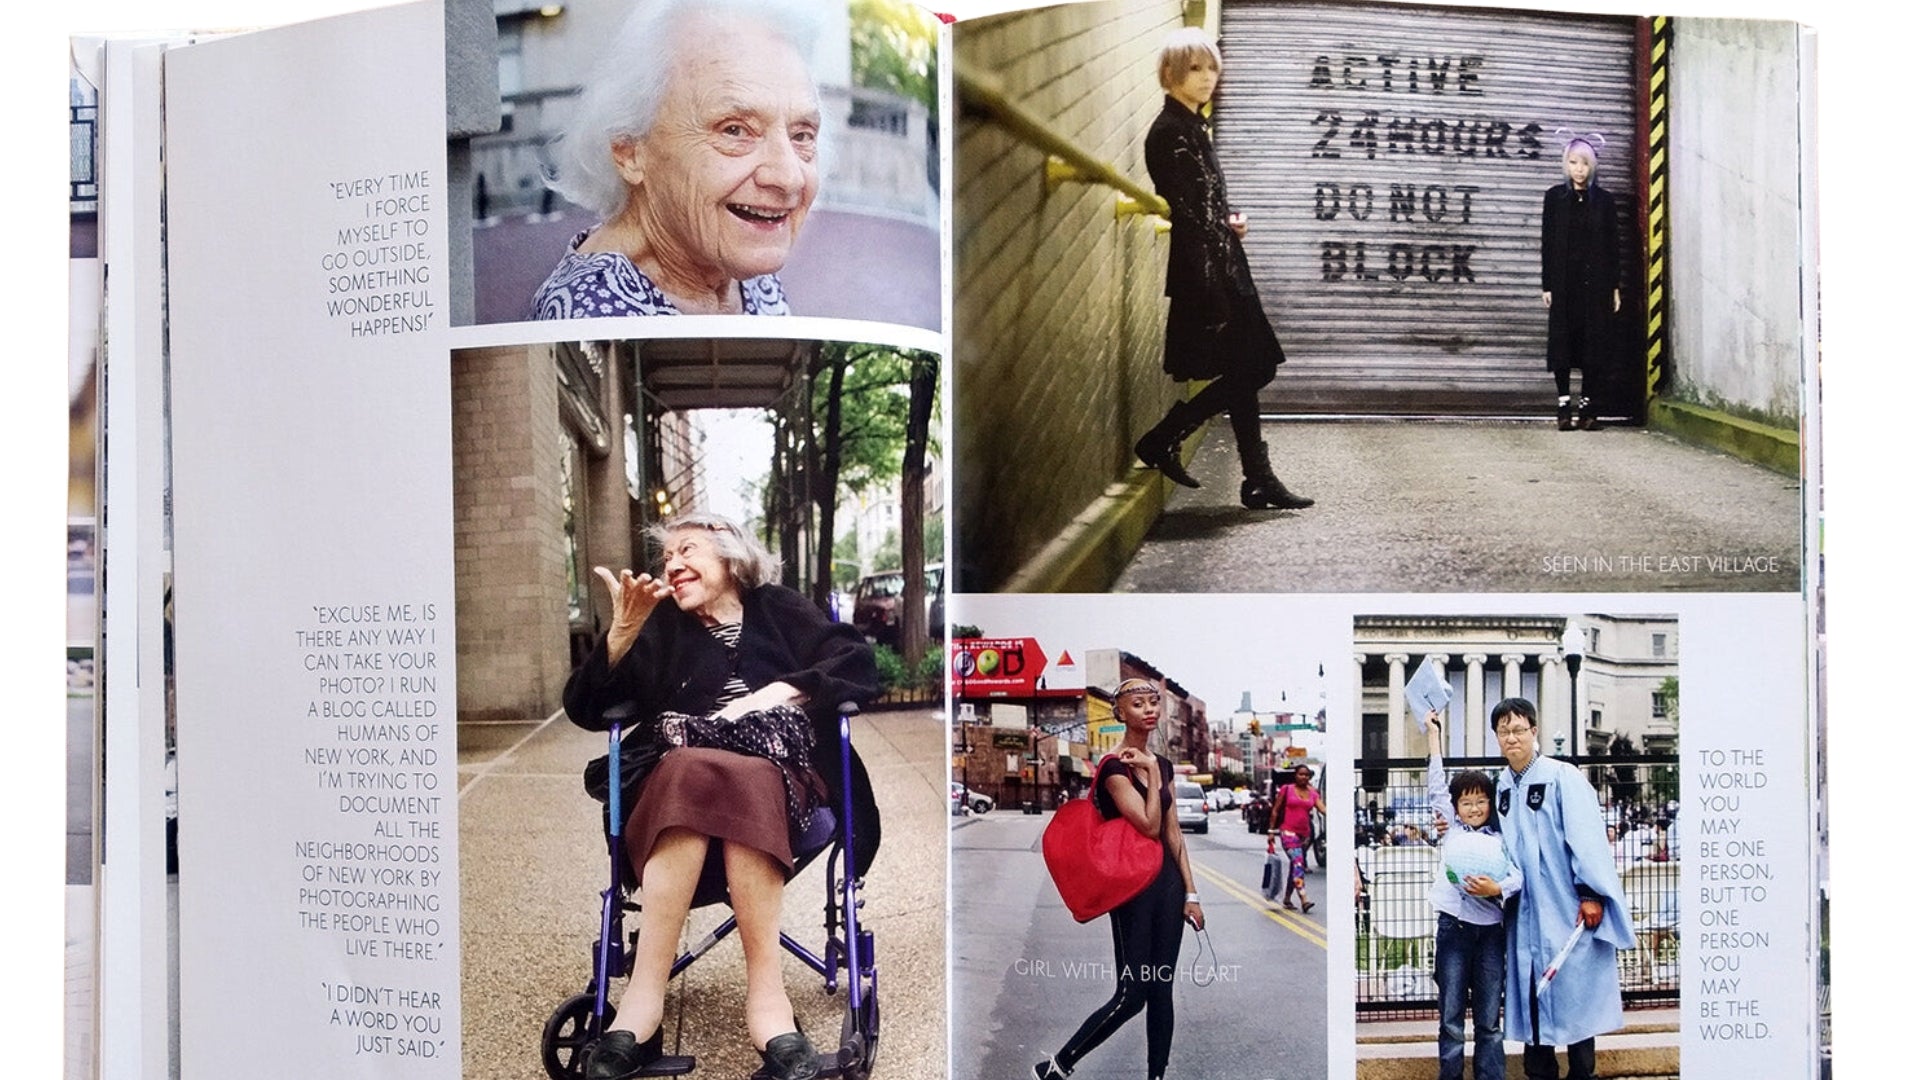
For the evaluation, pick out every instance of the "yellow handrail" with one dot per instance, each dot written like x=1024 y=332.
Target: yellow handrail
x=1067 y=161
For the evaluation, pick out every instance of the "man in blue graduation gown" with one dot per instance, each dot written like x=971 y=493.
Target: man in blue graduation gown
x=1550 y=822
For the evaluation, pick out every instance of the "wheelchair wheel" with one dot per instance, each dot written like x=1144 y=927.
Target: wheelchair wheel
x=569 y=1031
x=860 y=1037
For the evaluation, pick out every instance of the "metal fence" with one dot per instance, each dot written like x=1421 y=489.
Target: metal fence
x=1394 y=844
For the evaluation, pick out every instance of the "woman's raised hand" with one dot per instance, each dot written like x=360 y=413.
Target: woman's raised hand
x=1138 y=759
x=1433 y=724
x=634 y=598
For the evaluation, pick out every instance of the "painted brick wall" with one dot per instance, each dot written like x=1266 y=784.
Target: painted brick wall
x=510 y=600
x=1735 y=195
x=1058 y=313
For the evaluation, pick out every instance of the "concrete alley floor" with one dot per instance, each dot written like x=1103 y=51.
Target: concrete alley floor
x=533 y=860
x=1484 y=506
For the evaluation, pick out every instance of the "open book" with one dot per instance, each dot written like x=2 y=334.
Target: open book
x=402 y=322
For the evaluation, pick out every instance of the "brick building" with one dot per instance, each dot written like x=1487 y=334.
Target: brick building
x=1059 y=366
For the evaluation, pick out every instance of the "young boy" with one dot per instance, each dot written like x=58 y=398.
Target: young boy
x=1470 y=945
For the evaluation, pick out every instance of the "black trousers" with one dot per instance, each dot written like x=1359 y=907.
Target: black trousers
x=1538 y=1059
x=1541 y=1065
x=1237 y=395
x=1146 y=951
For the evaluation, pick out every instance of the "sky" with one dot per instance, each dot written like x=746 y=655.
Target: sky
x=1201 y=642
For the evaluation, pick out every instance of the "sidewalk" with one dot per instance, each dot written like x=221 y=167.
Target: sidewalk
x=532 y=863
x=1483 y=506
x=1648 y=1047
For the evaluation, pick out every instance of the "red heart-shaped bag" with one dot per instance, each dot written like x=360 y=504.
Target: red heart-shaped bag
x=1097 y=864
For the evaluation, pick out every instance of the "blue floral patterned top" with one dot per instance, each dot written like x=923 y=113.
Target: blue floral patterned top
x=606 y=283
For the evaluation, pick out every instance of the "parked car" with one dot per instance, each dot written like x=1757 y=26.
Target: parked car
x=1220 y=799
x=969 y=798
x=876 y=605
x=1190 y=805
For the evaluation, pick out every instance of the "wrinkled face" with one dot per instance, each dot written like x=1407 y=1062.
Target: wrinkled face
x=1139 y=710
x=727 y=172
x=695 y=571
x=1194 y=87
x=1517 y=738
x=1473 y=808
x=1579 y=166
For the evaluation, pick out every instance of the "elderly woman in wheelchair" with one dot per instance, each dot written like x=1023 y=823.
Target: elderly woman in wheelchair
x=733 y=681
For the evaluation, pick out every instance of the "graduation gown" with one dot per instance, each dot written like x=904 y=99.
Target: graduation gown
x=1550 y=821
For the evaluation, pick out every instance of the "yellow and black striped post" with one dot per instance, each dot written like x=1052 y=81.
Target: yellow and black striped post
x=1658 y=62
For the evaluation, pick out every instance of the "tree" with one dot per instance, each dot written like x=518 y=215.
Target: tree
x=859 y=424
x=922 y=388
x=893 y=49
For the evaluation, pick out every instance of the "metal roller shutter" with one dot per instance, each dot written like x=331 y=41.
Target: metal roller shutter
x=1392 y=162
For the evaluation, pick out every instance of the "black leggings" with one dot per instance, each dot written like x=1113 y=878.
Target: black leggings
x=1146 y=950
x=1237 y=395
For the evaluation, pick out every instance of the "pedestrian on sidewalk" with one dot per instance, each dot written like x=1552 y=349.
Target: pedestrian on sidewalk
x=1470 y=939
x=1137 y=785
x=1291 y=819
x=1216 y=328
x=1554 y=834
x=1579 y=281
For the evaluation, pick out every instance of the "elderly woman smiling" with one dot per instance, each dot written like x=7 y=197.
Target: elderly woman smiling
x=696 y=143
x=739 y=678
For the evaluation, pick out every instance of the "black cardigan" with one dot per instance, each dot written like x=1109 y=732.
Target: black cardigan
x=677 y=665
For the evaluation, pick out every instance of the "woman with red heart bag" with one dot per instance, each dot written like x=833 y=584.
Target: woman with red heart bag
x=1135 y=786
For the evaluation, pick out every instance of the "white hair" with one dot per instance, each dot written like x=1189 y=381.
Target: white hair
x=622 y=97
x=747 y=560
x=1181 y=49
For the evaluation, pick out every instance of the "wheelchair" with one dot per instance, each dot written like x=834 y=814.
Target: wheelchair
x=581 y=1019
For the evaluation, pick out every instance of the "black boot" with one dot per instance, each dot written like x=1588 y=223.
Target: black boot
x=1261 y=490
x=1159 y=448
x=1589 y=416
x=1566 y=414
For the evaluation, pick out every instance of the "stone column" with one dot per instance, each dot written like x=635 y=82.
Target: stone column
x=1510 y=674
x=1359 y=690
x=1397 y=705
x=1553 y=700
x=1476 y=710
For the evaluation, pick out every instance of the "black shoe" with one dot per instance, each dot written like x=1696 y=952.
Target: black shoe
x=790 y=1057
x=1566 y=416
x=618 y=1055
x=1159 y=448
x=1047 y=1070
x=1589 y=419
x=1164 y=457
x=1267 y=493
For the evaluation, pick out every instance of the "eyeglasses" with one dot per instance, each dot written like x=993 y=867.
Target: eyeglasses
x=1512 y=732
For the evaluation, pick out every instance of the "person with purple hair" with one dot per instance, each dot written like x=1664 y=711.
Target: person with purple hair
x=1579 y=281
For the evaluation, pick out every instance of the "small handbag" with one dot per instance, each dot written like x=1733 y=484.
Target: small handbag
x=1096 y=864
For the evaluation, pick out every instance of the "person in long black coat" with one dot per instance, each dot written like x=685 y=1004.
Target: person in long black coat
x=1216 y=328
x=1579 y=282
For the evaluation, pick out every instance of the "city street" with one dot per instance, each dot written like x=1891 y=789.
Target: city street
x=1452 y=506
x=1025 y=974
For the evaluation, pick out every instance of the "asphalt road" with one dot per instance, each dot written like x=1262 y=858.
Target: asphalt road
x=1025 y=973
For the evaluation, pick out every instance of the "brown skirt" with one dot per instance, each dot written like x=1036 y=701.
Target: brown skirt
x=718 y=794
